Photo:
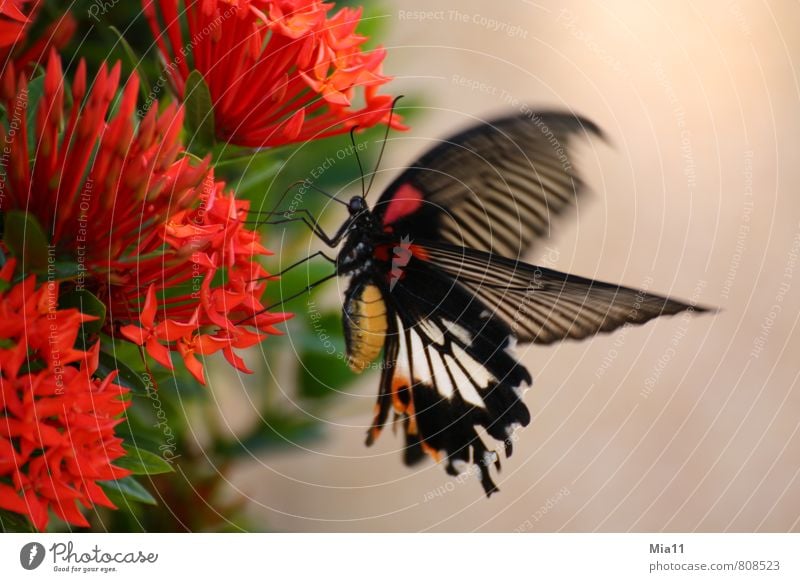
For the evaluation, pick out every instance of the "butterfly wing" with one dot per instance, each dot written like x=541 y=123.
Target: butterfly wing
x=456 y=305
x=542 y=305
x=448 y=372
x=494 y=187
x=449 y=367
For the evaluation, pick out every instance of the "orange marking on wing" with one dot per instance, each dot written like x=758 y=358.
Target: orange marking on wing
x=398 y=384
x=412 y=420
x=437 y=456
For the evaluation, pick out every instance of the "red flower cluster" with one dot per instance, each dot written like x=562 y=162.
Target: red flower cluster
x=16 y=16
x=279 y=71
x=56 y=420
x=214 y=237
x=127 y=215
x=148 y=222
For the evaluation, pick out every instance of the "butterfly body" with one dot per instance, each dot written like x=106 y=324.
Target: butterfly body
x=437 y=286
x=365 y=311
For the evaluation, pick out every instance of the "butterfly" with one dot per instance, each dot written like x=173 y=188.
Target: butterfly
x=437 y=288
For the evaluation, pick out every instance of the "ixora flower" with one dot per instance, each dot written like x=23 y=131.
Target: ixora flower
x=137 y=223
x=278 y=71
x=16 y=17
x=56 y=419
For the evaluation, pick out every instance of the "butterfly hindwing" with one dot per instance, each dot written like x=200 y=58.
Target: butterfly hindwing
x=449 y=370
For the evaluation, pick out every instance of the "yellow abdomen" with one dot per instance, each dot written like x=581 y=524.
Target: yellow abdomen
x=365 y=326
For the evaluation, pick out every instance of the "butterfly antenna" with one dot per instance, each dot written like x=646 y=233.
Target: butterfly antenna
x=292 y=186
x=358 y=159
x=383 y=145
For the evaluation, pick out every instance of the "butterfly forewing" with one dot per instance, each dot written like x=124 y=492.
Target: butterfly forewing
x=543 y=305
x=494 y=187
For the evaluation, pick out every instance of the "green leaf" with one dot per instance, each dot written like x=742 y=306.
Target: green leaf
x=323 y=371
x=11 y=522
x=35 y=92
x=85 y=302
x=199 y=114
x=136 y=62
x=276 y=432
x=24 y=236
x=127 y=490
x=141 y=462
x=66 y=269
x=126 y=377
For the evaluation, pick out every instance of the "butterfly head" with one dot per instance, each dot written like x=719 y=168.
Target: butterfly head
x=356 y=206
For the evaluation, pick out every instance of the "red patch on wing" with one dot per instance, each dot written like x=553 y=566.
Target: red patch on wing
x=386 y=252
x=406 y=200
x=419 y=252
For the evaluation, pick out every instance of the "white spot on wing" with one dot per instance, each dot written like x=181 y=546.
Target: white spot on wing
x=511 y=347
x=443 y=382
x=458 y=331
x=475 y=374
x=432 y=331
x=422 y=372
x=460 y=466
x=402 y=352
x=512 y=428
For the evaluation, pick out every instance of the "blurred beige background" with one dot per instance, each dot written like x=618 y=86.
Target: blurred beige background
x=685 y=424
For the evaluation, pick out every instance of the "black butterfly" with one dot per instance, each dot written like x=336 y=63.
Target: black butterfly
x=436 y=284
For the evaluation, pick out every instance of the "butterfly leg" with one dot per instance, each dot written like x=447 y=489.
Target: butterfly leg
x=313 y=225
x=300 y=262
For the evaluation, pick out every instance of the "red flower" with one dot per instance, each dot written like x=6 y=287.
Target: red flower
x=208 y=320
x=138 y=219
x=56 y=424
x=16 y=16
x=279 y=71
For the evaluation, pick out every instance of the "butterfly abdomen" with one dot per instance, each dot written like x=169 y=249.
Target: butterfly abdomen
x=365 y=325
